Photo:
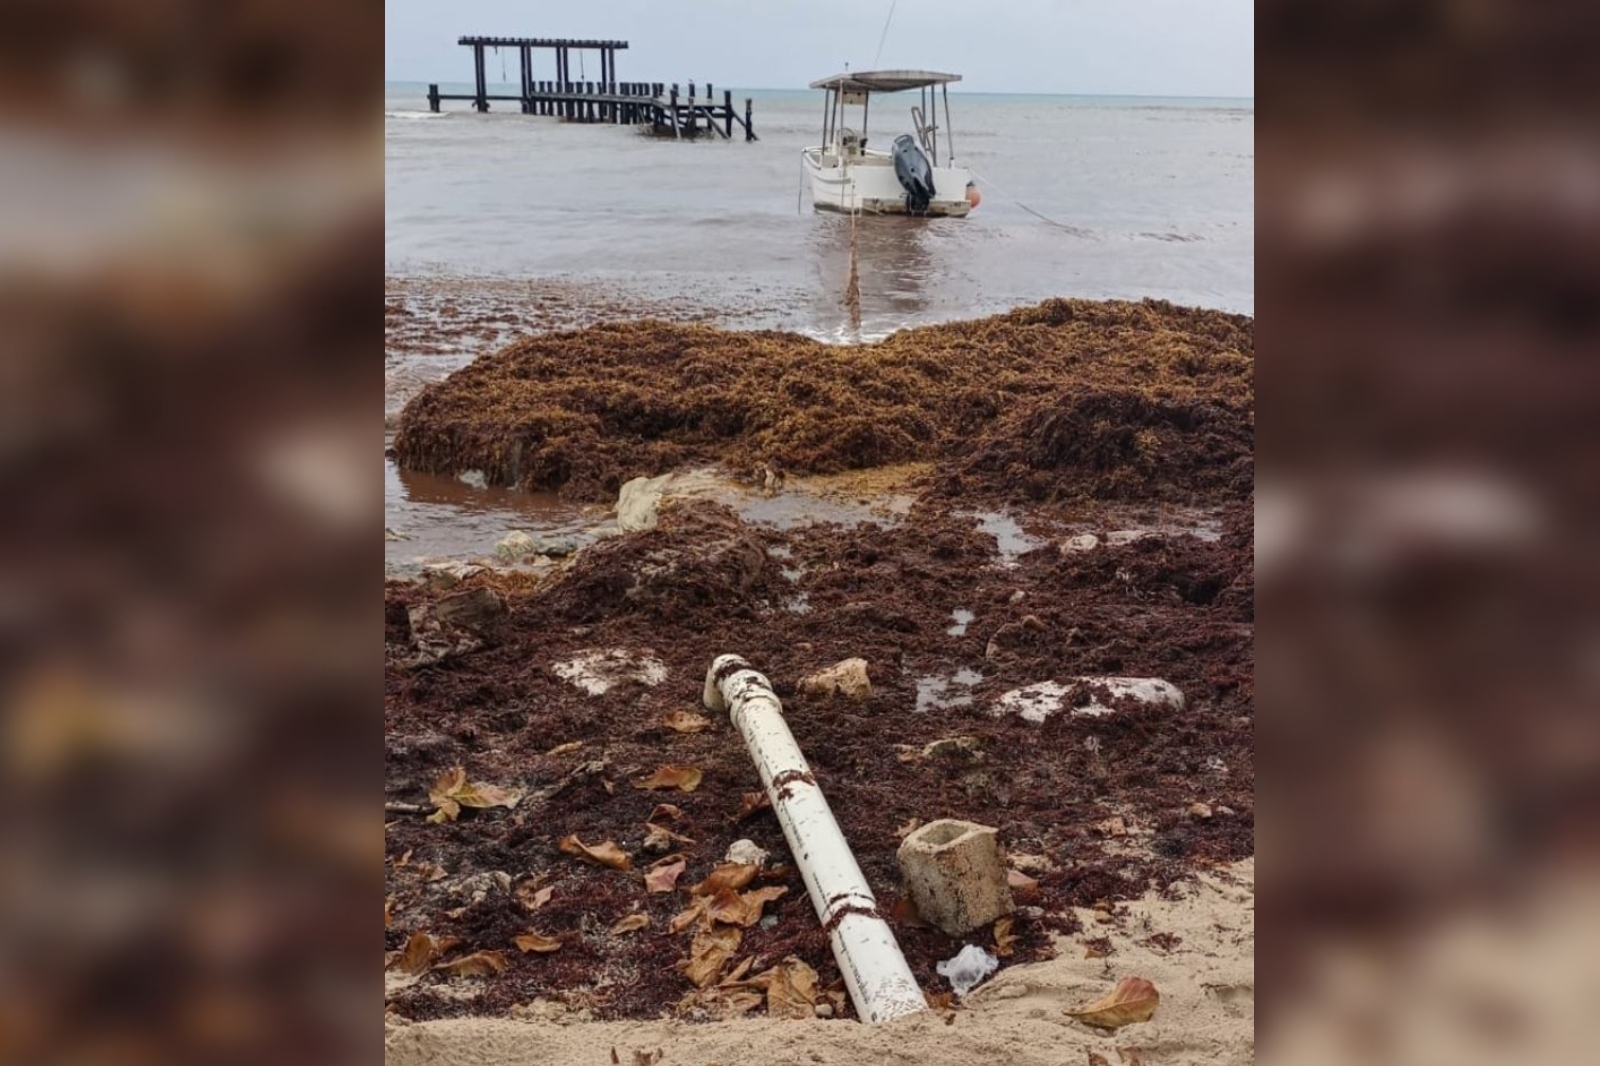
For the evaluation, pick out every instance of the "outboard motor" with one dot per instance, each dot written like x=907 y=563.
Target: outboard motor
x=911 y=166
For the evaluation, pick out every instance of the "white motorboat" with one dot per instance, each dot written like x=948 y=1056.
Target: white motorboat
x=846 y=175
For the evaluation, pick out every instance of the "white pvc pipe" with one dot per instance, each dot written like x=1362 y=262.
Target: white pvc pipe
x=875 y=972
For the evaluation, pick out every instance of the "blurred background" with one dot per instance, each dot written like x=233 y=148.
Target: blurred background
x=1429 y=236
x=190 y=391
x=190 y=384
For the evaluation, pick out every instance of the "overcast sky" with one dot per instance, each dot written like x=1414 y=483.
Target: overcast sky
x=1148 y=47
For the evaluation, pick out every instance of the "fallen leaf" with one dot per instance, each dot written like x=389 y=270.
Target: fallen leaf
x=1098 y=1060
x=792 y=990
x=451 y=792
x=421 y=950
x=708 y=953
x=940 y=1000
x=536 y=942
x=734 y=875
x=907 y=827
x=605 y=854
x=1133 y=1000
x=735 y=978
x=533 y=900
x=750 y=803
x=609 y=785
x=660 y=838
x=686 y=722
x=1004 y=939
x=736 y=909
x=905 y=912
x=403 y=859
x=682 y=778
x=388 y=911
x=696 y=911
x=1022 y=886
x=478 y=964
x=563 y=749
x=631 y=924
x=664 y=878
x=665 y=810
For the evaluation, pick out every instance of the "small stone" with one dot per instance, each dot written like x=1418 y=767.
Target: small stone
x=952 y=746
x=746 y=852
x=475 y=478
x=555 y=547
x=848 y=678
x=823 y=1010
x=1199 y=810
x=1017 y=597
x=1227 y=812
x=516 y=545
x=394 y=534
x=1083 y=542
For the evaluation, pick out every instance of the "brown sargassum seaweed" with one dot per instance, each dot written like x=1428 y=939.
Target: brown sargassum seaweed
x=1066 y=399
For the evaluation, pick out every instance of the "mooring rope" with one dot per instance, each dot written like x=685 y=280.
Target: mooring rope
x=1036 y=214
x=852 y=285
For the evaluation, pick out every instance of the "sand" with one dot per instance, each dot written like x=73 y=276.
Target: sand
x=1206 y=1015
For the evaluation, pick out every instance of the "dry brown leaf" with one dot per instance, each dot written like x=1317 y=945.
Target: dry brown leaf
x=631 y=924
x=478 y=964
x=451 y=792
x=750 y=803
x=696 y=912
x=906 y=828
x=686 y=722
x=1004 y=939
x=734 y=875
x=1022 y=886
x=736 y=909
x=563 y=749
x=421 y=950
x=1098 y=1060
x=606 y=853
x=532 y=899
x=792 y=990
x=664 y=878
x=1133 y=1000
x=682 y=778
x=536 y=942
x=659 y=837
x=940 y=1000
x=735 y=978
x=905 y=912
x=388 y=911
x=667 y=811
x=708 y=953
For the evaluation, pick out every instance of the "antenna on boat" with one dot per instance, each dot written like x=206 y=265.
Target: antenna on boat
x=882 y=36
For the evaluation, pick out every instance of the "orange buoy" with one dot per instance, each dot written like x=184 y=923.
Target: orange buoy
x=973 y=196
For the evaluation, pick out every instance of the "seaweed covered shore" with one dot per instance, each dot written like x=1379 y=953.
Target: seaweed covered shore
x=1113 y=440
x=1136 y=399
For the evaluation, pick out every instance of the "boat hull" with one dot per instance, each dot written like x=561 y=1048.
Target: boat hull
x=867 y=183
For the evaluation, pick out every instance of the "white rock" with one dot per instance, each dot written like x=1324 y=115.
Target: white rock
x=475 y=478
x=598 y=672
x=1037 y=702
x=746 y=852
x=515 y=545
x=847 y=678
x=1083 y=542
x=638 y=501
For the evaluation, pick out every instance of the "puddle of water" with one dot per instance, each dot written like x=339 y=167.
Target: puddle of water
x=780 y=551
x=943 y=693
x=442 y=517
x=963 y=618
x=1010 y=537
x=793 y=510
x=801 y=604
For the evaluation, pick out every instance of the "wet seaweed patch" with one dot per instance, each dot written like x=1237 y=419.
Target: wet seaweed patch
x=1127 y=399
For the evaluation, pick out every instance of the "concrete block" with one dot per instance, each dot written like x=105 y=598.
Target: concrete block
x=955 y=874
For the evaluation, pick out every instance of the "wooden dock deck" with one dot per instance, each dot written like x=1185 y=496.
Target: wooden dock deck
x=663 y=108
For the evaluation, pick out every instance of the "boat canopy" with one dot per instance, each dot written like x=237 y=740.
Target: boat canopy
x=884 y=81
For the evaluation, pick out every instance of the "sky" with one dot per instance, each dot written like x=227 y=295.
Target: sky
x=1111 y=47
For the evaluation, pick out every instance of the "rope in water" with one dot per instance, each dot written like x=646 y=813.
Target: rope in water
x=1036 y=214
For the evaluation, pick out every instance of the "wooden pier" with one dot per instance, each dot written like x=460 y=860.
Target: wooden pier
x=667 y=111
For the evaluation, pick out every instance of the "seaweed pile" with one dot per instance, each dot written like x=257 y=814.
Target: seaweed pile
x=1114 y=383
x=1095 y=810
